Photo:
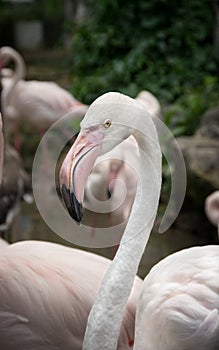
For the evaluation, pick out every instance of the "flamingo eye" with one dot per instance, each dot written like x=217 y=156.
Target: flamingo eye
x=107 y=123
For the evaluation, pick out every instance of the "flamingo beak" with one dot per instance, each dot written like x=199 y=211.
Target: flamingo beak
x=76 y=168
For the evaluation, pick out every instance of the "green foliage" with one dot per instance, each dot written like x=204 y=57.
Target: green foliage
x=162 y=46
x=41 y=9
x=184 y=115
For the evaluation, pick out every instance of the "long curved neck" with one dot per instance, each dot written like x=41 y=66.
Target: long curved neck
x=19 y=73
x=106 y=315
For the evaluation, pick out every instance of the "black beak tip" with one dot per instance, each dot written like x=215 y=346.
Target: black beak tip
x=72 y=204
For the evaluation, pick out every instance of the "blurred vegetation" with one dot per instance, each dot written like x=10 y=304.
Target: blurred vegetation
x=163 y=46
x=40 y=9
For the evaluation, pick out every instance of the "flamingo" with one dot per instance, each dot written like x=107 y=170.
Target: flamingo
x=212 y=208
x=46 y=293
x=120 y=165
x=37 y=103
x=178 y=307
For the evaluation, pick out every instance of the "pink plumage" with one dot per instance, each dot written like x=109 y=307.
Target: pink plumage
x=46 y=293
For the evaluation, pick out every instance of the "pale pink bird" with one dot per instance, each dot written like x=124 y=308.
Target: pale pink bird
x=212 y=208
x=38 y=103
x=46 y=293
x=178 y=306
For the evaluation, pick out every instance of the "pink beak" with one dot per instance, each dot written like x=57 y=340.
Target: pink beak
x=76 y=168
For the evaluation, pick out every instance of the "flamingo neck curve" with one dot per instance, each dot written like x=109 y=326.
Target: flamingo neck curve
x=105 y=318
x=19 y=74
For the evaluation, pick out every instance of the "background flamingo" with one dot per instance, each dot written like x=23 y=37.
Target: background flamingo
x=37 y=103
x=179 y=302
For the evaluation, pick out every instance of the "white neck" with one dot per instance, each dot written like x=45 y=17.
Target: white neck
x=19 y=73
x=106 y=315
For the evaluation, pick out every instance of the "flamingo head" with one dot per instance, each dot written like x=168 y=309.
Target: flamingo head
x=103 y=127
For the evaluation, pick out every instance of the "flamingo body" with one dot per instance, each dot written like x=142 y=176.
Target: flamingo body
x=178 y=306
x=40 y=103
x=46 y=293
